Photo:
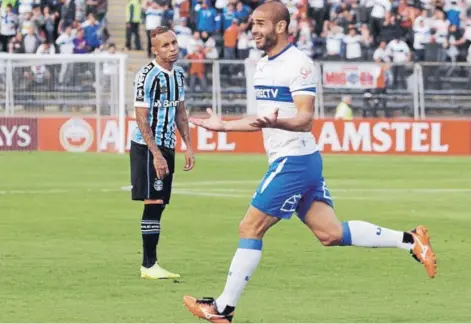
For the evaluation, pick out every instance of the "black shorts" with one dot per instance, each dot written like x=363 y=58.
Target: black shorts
x=145 y=184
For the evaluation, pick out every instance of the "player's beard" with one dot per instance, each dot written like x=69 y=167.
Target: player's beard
x=269 y=41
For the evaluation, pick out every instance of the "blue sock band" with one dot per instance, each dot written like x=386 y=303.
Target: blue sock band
x=251 y=244
x=346 y=235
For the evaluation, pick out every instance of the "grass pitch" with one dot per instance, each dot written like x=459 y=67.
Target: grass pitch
x=70 y=244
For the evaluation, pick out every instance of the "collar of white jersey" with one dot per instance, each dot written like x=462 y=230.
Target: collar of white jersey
x=281 y=52
x=161 y=68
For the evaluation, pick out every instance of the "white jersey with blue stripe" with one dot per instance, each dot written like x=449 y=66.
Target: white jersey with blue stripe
x=160 y=91
x=277 y=80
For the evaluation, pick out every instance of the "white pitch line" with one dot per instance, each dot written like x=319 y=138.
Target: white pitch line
x=243 y=193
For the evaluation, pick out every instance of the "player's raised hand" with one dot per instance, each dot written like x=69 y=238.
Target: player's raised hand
x=189 y=160
x=214 y=122
x=266 y=121
x=161 y=166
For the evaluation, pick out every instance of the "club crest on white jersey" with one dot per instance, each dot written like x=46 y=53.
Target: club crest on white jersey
x=277 y=80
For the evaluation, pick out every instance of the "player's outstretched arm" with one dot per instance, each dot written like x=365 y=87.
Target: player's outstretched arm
x=160 y=164
x=215 y=123
x=302 y=122
x=181 y=119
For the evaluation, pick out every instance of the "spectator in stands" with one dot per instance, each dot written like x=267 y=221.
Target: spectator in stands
x=65 y=42
x=378 y=15
x=381 y=55
x=230 y=40
x=67 y=14
x=25 y=6
x=133 y=20
x=153 y=15
x=366 y=41
x=317 y=11
x=242 y=12
x=27 y=23
x=92 y=34
x=80 y=10
x=243 y=40
x=210 y=50
x=50 y=24
x=110 y=68
x=194 y=42
x=17 y=45
x=400 y=53
x=38 y=74
x=9 y=24
x=31 y=41
x=390 y=30
x=352 y=46
x=206 y=20
x=421 y=37
x=38 y=21
x=183 y=36
x=80 y=43
x=228 y=16
x=343 y=110
x=5 y=4
x=454 y=35
x=46 y=48
x=334 y=37
x=100 y=9
x=182 y=9
x=197 y=70
x=453 y=11
x=305 y=44
x=220 y=5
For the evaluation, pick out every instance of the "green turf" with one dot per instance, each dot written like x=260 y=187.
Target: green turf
x=70 y=242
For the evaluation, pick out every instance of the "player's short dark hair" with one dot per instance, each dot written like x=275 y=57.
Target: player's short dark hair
x=284 y=15
x=280 y=12
x=159 y=31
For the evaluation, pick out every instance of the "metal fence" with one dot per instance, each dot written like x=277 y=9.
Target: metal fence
x=56 y=84
x=96 y=84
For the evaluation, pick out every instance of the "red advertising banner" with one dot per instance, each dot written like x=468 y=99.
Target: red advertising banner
x=18 y=134
x=366 y=136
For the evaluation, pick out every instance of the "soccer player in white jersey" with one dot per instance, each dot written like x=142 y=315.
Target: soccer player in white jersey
x=285 y=88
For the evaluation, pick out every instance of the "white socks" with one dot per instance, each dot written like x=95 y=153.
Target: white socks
x=363 y=234
x=243 y=265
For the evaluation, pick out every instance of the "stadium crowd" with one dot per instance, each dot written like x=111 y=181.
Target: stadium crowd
x=382 y=30
x=52 y=26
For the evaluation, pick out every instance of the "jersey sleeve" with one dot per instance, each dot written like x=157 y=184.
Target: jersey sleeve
x=181 y=84
x=304 y=79
x=142 y=90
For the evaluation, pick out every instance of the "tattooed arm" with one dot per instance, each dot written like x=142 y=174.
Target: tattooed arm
x=181 y=119
x=160 y=164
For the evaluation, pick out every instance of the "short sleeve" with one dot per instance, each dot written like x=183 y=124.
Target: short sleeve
x=304 y=79
x=142 y=89
x=181 y=85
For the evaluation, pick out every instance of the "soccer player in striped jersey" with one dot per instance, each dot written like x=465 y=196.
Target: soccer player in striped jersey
x=285 y=86
x=159 y=97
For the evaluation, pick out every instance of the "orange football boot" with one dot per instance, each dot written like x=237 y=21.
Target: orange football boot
x=206 y=309
x=422 y=250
